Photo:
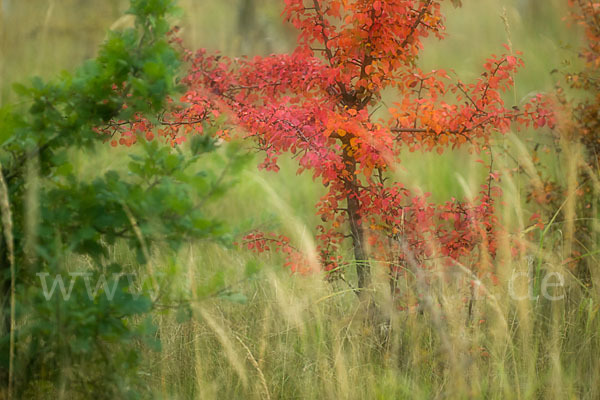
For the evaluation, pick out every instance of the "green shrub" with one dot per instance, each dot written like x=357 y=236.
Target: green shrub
x=68 y=329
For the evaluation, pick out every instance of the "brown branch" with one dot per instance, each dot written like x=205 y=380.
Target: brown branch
x=416 y=24
x=462 y=132
x=326 y=39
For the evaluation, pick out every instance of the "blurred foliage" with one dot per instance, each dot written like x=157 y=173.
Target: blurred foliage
x=575 y=143
x=81 y=344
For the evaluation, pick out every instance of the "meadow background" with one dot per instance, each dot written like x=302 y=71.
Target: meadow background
x=291 y=337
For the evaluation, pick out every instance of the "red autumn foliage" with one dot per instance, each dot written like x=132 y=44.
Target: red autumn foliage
x=261 y=242
x=318 y=104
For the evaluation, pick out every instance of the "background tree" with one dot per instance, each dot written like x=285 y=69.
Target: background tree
x=320 y=104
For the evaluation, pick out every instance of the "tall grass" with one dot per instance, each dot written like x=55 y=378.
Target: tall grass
x=301 y=337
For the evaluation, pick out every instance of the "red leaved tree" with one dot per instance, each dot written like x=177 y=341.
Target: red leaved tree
x=318 y=104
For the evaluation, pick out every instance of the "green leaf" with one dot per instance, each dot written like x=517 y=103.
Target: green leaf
x=202 y=144
x=183 y=314
x=234 y=297
x=133 y=306
x=172 y=162
x=21 y=89
x=38 y=83
x=252 y=268
x=9 y=122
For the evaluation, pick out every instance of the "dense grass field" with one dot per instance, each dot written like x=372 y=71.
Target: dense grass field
x=290 y=336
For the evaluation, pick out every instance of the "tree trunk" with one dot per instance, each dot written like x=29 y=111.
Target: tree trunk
x=363 y=271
